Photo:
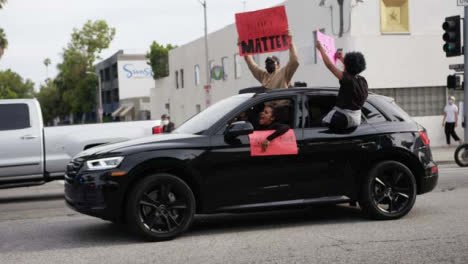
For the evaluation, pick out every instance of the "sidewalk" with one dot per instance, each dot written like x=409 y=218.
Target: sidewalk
x=443 y=155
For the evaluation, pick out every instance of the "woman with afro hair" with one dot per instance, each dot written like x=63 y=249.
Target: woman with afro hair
x=353 y=90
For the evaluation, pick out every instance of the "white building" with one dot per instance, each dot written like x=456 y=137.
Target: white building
x=126 y=81
x=401 y=40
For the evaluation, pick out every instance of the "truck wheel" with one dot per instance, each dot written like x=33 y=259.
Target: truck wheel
x=160 y=207
x=461 y=155
x=389 y=191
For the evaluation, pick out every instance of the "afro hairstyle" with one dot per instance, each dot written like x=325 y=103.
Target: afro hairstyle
x=354 y=63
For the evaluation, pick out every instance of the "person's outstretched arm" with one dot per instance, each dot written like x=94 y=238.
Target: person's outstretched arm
x=293 y=62
x=329 y=63
x=256 y=71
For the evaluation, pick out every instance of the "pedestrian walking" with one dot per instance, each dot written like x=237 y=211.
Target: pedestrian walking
x=450 y=121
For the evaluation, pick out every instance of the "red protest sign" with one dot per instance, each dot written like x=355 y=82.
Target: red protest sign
x=283 y=145
x=262 y=31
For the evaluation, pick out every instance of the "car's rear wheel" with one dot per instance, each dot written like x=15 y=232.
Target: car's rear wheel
x=389 y=191
x=461 y=155
x=160 y=207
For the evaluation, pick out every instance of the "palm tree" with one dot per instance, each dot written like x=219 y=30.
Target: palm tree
x=2 y=3
x=47 y=63
x=3 y=41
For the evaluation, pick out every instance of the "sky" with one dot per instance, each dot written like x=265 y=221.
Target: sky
x=41 y=29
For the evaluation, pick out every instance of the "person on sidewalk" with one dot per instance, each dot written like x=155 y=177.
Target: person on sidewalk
x=353 y=90
x=168 y=126
x=274 y=77
x=450 y=121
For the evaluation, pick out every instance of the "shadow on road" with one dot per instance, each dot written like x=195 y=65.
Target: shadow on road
x=31 y=198
x=83 y=232
x=316 y=215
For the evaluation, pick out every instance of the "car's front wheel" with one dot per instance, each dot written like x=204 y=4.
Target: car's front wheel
x=160 y=207
x=389 y=191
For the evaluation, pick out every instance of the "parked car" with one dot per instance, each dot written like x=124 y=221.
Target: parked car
x=31 y=154
x=156 y=185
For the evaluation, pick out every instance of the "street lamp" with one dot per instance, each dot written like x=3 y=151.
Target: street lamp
x=99 y=108
x=206 y=44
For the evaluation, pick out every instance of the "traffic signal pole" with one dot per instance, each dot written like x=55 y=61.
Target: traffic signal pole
x=465 y=53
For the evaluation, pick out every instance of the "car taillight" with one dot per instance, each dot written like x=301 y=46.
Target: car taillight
x=434 y=169
x=157 y=130
x=424 y=138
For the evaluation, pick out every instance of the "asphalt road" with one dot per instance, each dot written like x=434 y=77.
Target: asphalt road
x=36 y=227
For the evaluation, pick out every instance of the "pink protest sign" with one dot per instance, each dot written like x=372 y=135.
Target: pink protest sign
x=283 y=145
x=328 y=44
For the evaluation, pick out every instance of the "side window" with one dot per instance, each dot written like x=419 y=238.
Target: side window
x=281 y=110
x=317 y=107
x=14 y=116
x=372 y=115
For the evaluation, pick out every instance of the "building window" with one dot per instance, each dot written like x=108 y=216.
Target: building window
x=211 y=64
x=417 y=101
x=394 y=16
x=197 y=74
x=237 y=66
x=107 y=74
x=181 y=78
x=177 y=79
x=198 y=108
x=225 y=64
x=101 y=74
x=115 y=73
x=115 y=95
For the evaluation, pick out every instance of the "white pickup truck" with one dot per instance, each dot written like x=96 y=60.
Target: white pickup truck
x=31 y=154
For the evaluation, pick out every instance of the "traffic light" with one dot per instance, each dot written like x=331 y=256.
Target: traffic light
x=452 y=36
x=453 y=81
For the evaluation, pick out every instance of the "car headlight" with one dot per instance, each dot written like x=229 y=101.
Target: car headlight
x=104 y=164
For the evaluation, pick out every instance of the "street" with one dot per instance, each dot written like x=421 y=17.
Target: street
x=36 y=227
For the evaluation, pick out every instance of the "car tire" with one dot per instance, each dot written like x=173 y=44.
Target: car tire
x=461 y=155
x=160 y=207
x=389 y=191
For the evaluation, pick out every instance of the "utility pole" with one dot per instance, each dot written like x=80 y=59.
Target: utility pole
x=208 y=79
x=465 y=77
x=99 y=98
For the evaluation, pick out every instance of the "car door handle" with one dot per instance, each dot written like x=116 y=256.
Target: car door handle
x=27 y=137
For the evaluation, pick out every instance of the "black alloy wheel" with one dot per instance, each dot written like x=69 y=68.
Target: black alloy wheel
x=461 y=155
x=389 y=191
x=160 y=207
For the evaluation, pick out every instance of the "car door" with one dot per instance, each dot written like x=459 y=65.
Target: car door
x=20 y=138
x=238 y=180
x=335 y=156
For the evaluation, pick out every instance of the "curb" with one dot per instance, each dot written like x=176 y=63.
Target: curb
x=445 y=162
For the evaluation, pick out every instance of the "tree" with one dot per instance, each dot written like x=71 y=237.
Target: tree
x=47 y=63
x=158 y=57
x=50 y=100
x=75 y=85
x=3 y=42
x=12 y=86
x=3 y=39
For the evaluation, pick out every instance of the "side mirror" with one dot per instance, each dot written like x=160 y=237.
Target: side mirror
x=238 y=128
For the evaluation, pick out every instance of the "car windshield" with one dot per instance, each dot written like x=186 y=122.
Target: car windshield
x=205 y=119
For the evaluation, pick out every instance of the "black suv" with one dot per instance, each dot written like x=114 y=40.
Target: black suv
x=157 y=184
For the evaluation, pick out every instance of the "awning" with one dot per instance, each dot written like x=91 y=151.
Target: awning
x=117 y=112
x=126 y=111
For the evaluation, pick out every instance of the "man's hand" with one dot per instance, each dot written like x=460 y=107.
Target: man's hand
x=238 y=42
x=289 y=34
x=265 y=145
x=443 y=124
